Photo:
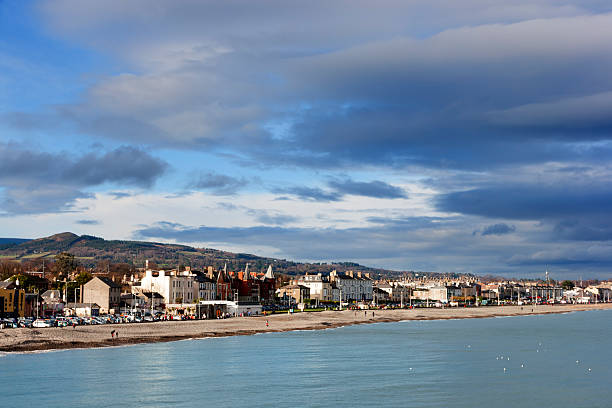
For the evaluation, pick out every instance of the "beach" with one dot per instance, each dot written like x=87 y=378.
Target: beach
x=25 y=340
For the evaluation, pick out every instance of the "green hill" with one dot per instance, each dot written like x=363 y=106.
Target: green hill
x=90 y=251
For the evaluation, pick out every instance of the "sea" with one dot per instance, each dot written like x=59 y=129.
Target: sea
x=560 y=360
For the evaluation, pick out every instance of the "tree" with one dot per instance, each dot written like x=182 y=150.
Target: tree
x=64 y=264
x=567 y=284
x=9 y=268
x=30 y=283
x=83 y=277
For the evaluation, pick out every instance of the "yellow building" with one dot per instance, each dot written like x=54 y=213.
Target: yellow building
x=12 y=302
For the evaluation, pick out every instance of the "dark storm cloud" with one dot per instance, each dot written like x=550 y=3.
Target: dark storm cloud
x=39 y=182
x=585 y=228
x=530 y=202
x=218 y=184
x=569 y=211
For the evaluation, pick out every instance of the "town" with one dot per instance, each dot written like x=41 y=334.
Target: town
x=33 y=299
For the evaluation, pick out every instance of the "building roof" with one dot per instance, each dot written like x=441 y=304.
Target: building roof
x=52 y=294
x=80 y=305
x=289 y=287
x=269 y=274
x=7 y=285
x=203 y=278
x=108 y=281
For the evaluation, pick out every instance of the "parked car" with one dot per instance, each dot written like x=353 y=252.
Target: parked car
x=9 y=323
x=40 y=323
x=25 y=323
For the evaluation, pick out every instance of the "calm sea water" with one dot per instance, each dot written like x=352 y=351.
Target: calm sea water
x=452 y=363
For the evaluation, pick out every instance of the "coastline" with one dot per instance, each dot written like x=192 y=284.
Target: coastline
x=55 y=338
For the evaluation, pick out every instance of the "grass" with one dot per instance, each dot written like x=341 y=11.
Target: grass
x=36 y=256
x=8 y=256
x=189 y=253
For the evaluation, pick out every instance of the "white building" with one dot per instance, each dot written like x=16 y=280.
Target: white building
x=356 y=287
x=320 y=287
x=174 y=286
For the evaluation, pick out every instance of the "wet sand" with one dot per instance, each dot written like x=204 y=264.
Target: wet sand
x=22 y=340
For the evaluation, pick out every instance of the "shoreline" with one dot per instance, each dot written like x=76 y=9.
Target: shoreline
x=56 y=338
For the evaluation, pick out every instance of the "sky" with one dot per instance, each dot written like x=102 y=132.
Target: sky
x=433 y=135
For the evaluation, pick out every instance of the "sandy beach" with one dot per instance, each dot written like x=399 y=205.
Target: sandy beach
x=21 y=340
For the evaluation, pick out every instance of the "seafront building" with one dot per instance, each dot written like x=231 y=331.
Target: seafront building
x=353 y=286
x=103 y=292
x=12 y=300
x=319 y=286
x=221 y=293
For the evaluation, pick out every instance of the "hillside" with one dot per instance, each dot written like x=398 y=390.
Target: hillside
x=9 y=242
x=90 y=251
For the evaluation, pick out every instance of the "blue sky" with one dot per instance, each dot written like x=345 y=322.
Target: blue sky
x=469 y=136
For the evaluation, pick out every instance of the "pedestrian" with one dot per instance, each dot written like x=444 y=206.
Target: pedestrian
x=267 y=324
x=73 y=325
x=112 y=334
x=117 y=334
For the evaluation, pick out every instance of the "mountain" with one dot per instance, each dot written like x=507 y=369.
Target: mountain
x=90 y=250
x=9 y=242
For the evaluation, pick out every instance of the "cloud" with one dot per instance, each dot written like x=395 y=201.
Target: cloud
x=119 y=194
x=572 y=211
x=414 y=247
x=88 y=222
x=487 y=86
x=412 y=223
x=126 y=165
x=311 y=194
x=584 y=229
x=338 y=188
x=498 y=229
x=39 y=182
x=272 y=217
x=530 y=201
x=218 y=184
x=376 y=189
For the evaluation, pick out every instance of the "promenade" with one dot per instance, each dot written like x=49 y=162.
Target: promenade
x=23 y=339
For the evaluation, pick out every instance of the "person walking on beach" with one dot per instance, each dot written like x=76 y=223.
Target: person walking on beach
x=117 y=334
x=267 y=324
x=112 y=334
